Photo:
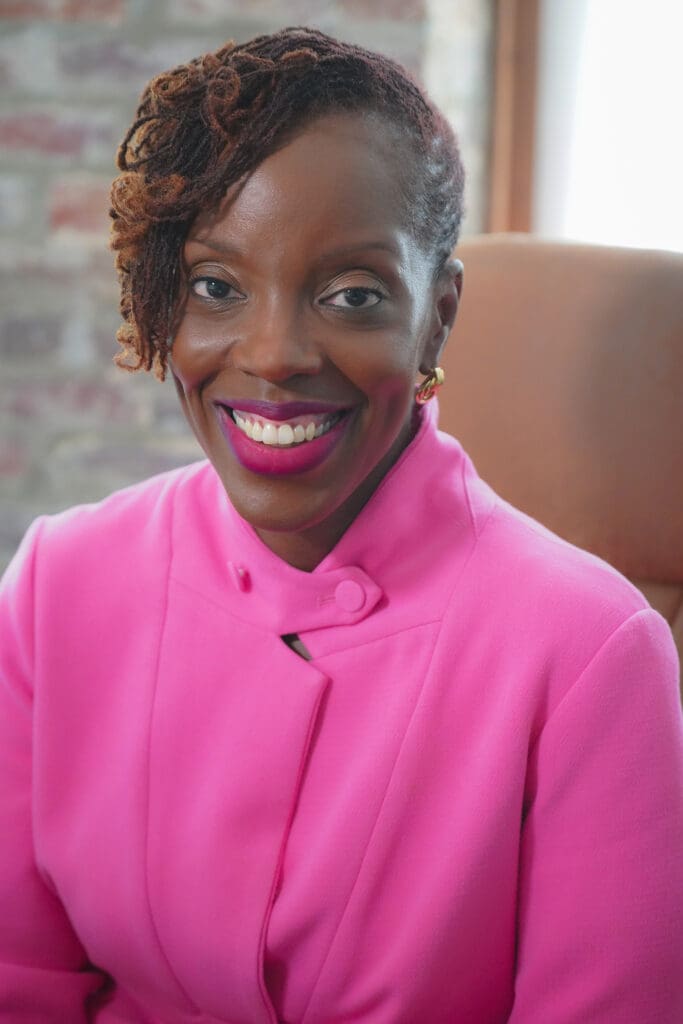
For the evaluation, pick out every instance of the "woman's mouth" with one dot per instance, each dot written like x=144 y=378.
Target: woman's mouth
x=291 y=440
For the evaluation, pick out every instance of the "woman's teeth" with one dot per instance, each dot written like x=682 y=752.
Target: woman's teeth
x=283 y=435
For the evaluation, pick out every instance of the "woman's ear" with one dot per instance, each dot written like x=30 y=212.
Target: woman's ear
x=447 y=292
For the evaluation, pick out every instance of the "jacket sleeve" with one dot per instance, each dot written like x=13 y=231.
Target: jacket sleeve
x=600 y=912
x=44 y=972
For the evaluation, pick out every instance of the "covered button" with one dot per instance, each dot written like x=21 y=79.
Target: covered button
x=240 y=576
x=349 y=595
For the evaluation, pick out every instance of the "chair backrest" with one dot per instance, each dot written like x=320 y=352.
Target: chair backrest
x=564 y=382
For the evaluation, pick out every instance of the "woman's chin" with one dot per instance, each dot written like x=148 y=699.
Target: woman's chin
x=271 y=511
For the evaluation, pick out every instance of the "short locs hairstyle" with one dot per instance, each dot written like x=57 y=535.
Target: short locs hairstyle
x=205 y=125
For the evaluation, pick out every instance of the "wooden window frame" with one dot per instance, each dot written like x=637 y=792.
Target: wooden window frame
x=514 y=115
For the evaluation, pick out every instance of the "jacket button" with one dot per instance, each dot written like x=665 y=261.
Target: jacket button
x=240 y=576
x=349 y=595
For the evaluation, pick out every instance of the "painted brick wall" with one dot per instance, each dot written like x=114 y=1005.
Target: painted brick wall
x=72 y=426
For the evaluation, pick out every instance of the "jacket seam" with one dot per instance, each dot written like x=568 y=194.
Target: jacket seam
x=40 y=869
x=466 y=562
x=148 y=758
x=436 y=621
x=34 y=573
x=587 y=667
x=261 y=950
x=468 y=500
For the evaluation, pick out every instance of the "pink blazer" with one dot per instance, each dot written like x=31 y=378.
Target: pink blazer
x=466 y=809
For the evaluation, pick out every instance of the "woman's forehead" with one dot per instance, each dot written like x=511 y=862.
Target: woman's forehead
x=342 y=170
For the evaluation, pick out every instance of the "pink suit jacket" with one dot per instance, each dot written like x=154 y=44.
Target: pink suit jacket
x=467 y=808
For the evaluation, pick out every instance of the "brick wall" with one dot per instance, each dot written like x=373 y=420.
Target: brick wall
x=72 y=427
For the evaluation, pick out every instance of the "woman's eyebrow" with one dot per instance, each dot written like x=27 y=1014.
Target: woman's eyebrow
x=216 y=246
x=361 y=247
x=227 y=249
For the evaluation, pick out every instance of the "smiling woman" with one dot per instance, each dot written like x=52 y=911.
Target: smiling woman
x=310 y=310
x=320 y=729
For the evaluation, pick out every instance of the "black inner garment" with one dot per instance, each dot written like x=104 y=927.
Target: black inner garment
x=292 y=640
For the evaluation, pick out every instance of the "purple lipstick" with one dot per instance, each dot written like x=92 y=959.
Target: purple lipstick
x=280 y=439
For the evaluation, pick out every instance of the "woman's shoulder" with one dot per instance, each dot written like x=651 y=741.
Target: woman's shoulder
x=539 y=611
x=531 y=573
x=94 y=561
x=490 y=556
x=134 y=505
x=120 y=528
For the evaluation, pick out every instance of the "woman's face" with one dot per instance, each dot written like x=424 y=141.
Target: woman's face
x=310 y=310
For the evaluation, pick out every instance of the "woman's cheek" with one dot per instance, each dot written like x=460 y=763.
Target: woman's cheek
x=194 y=352
x=385 y=362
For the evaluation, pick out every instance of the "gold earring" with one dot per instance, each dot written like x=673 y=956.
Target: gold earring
x=430 y=385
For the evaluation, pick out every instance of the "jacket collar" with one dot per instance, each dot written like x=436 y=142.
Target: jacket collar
x=388 y=547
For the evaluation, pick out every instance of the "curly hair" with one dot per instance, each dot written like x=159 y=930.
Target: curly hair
x=204 y=125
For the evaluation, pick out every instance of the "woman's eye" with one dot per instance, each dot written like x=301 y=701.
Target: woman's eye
x=355 y=298
x=212 y=288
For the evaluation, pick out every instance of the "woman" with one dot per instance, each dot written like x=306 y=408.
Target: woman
x=321 y=729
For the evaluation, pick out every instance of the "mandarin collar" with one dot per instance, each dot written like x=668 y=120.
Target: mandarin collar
x=219 y=555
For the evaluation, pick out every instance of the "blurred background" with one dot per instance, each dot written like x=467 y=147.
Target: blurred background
x=568 y=114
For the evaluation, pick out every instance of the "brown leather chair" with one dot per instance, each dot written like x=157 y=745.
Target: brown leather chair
x=565 y=385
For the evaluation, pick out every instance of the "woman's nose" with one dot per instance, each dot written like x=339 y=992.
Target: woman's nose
x=277 y=349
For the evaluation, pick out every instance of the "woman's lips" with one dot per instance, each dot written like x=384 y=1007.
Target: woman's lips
x=281 y=410
x=278 y=445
